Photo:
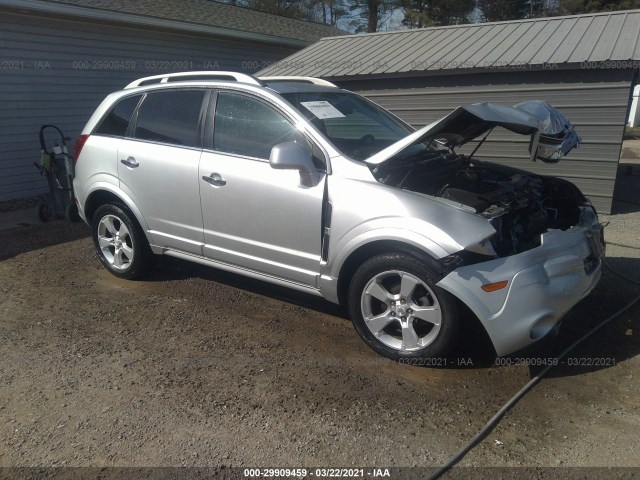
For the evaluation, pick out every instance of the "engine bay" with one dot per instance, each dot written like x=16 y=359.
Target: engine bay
x=520 y=205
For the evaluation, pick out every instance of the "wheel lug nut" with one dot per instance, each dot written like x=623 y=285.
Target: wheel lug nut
x=409 y=311
x=393 y=304
x=404 y=319
x=403 y=301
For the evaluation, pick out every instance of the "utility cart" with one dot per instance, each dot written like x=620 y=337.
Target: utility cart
x=57 y=165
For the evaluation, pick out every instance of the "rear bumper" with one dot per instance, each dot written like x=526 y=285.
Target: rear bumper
x=79 y=203
x=81 y=213
x=544 y=284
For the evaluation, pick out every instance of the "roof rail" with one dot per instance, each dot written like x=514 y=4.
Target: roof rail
x=315 y=81
x=200 y=75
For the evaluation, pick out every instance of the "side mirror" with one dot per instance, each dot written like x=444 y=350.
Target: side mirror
x=293 y=156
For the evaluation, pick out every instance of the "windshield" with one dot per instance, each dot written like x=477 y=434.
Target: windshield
x=355 y=126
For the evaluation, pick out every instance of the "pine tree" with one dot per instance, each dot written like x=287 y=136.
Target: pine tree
x=425 y=13
x=499 y=10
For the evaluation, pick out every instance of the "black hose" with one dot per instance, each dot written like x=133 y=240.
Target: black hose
x=491 y=424
x=623 y=245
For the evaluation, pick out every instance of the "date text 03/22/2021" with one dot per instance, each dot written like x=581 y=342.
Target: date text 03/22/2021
x=316 y=472
x=554 y=361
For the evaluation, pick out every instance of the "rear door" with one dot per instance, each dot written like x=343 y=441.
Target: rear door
x=101 y=148
x=158 y=166
x=254 y=216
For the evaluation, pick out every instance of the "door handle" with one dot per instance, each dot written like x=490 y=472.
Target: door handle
x=215 y=179
x=130 y=162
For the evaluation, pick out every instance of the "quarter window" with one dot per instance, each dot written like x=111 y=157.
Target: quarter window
x=246 y=126
x=117 y=120
x=170 y=117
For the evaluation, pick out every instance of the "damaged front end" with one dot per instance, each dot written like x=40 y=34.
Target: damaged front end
x=547 y=249
x=520 y=205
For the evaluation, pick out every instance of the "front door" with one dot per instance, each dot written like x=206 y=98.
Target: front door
x=256 y=217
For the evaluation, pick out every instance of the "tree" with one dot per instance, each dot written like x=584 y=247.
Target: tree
x=499 y=10
x=330 y=11
x=284 y=8
x=321 y=11
x=361 y=15
x=570 y=7
x=368 y=15
x=425 y=13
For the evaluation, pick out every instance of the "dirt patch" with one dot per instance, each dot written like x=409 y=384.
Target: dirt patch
x=22 y=203
x=198 y=367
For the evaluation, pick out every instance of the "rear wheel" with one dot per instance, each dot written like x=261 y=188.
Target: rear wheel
x=398 y=309
x=120 y=242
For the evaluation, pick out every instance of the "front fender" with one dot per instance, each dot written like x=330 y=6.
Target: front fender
x=365 y=211
x=379 y=230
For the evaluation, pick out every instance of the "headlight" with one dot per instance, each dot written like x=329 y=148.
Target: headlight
x=588 y=216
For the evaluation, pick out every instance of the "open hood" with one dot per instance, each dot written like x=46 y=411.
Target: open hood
x=552 y=135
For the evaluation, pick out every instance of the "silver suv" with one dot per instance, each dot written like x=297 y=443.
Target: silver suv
x=297 y=182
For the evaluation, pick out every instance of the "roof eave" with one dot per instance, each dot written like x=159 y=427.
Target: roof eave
x=463 y=71
x=120 y=17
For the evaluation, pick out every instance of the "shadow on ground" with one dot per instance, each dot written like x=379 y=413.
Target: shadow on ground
x=626 y=195
x=34 y=237
x=475 y=347
x=170 y=269
x=618 y=341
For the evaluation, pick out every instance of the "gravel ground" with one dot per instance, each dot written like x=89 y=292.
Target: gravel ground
x=196 y=367
x=22 y=203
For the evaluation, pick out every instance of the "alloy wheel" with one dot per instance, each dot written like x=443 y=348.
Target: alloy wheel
x=115 y=242
x=401 y=311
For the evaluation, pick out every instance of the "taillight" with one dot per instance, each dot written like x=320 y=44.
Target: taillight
x=77 y=148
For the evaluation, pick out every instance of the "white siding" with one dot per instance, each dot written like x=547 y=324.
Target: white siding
x=43 y=82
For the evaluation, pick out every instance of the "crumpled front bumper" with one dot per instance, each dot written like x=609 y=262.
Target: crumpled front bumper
x=544 y=284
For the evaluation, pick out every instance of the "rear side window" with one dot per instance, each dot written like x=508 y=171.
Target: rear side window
x=117 y=120
x=246 y=126
x=170 y=117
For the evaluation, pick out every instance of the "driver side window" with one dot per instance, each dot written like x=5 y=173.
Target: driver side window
x=246 y=126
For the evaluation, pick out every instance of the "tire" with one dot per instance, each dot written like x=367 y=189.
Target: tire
x=120 y=243
x=399 y=311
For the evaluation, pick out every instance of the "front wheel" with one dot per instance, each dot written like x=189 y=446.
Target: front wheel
x=120 y=242
x=399 y=311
